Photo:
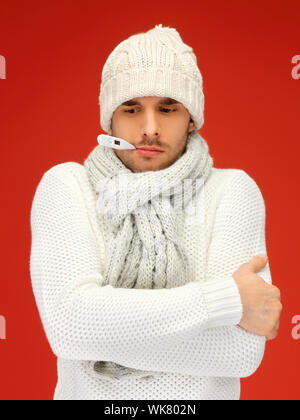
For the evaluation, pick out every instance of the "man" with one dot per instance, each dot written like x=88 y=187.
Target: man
x=151 y=302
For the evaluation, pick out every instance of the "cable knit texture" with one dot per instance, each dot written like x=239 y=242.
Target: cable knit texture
x=152 y=63
x=188 y=334
x=144 y=214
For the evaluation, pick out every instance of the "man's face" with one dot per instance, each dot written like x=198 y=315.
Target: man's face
x=152 y=121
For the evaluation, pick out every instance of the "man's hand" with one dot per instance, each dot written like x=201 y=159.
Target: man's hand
x=261 y=301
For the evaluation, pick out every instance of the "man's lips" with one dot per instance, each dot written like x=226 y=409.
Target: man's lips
x=150 y=148
x=148 y=152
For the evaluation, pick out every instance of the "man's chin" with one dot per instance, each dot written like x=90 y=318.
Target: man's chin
x=144 y=166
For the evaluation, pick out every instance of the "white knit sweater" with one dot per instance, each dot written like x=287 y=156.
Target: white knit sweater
x=188 y=333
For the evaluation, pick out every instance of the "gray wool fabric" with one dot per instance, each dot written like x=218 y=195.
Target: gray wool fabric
x=144 y=224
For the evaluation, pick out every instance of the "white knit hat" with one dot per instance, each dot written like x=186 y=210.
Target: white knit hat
x=153 y=63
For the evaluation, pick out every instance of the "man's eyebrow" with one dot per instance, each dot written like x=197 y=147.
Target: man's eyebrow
x=167 y=101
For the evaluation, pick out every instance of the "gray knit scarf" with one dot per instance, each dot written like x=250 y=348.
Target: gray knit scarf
x=143 y=225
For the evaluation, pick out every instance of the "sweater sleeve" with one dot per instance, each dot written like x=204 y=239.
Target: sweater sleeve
x=223 y=351
x=86 y=321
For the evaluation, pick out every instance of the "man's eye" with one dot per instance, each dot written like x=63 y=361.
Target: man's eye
x=166 y=110
x=129 y=110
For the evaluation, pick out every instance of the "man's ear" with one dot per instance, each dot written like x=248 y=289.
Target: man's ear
x=192 y=125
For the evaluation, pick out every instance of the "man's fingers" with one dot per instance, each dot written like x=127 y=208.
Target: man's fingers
x=272 y=335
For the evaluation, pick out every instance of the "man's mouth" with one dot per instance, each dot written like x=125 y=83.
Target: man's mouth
x=150 y=148
x=149 y=151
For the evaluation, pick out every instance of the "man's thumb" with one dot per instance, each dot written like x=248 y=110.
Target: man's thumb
x=258 y=262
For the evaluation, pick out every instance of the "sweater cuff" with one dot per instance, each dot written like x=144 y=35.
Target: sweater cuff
x=223 y=302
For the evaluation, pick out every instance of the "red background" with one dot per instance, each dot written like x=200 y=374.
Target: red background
x=49 y=114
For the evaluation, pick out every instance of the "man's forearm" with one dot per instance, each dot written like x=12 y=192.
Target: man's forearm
x=220 y=351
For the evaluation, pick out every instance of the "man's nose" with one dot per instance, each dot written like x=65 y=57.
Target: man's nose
x=150 y=125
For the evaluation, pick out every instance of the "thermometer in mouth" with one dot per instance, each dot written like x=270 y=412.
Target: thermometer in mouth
x=114 y=142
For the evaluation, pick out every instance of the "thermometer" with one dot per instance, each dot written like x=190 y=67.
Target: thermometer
x=114 y=142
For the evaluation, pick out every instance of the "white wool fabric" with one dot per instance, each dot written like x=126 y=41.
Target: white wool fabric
x=188 y=333
x=152 y=63
x=144 y=249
